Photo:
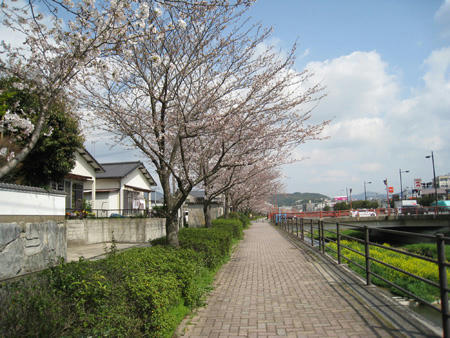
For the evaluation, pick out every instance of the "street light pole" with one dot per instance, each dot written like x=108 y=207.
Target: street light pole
x=351 y=199
x=401 y=187
x=434 y=177
x=365 y=193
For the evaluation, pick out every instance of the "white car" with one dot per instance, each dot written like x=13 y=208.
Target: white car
x=363 y=213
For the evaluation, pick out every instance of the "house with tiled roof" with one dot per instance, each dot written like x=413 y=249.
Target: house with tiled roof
x=123 y=188
x=82 y=176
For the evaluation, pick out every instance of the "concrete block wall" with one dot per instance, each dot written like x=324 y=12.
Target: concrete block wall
x=29 y=247
x=124 y=230
x=197 y=217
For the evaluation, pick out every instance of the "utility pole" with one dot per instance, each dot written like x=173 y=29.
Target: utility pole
x=387 y=196
x=401 y=187
x=365 y=193
x=434 y=178
x=351 y=199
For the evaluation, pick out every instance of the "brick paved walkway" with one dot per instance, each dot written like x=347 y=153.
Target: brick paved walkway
x=272 y=288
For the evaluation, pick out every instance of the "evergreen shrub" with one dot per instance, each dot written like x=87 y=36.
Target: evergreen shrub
x=214 y=244
x=232 y=225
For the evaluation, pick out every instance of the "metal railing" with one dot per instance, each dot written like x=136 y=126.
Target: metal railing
x=103 y=213
x=314 y=232
x=365 y=212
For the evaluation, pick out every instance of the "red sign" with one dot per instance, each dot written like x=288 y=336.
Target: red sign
x=391 y=190
x=418 y=183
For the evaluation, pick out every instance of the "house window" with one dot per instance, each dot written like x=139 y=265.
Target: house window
x=132 y=201
x=67 y=190
x=57 y=185
x=77 y=196
x=129 y=197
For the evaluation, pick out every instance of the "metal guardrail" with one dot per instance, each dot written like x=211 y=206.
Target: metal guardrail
x=355 y=212
x=313 y=233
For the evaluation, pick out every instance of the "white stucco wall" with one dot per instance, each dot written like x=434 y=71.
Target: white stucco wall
x=16 y=202
x=82 y=167
x=107 y=183
x=136 y=179
x=113 y=200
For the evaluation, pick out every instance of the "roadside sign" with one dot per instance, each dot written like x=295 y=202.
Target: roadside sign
x=391 y=190
x=418 y=183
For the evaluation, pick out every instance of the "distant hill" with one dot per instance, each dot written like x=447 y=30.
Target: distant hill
x=297 y=198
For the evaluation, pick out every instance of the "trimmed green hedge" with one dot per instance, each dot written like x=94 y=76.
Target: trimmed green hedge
x=139 y=292
x=232 y=225
x=242 y=217
x=213 y=244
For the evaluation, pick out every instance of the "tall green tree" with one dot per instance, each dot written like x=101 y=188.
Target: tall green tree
x=54 y=154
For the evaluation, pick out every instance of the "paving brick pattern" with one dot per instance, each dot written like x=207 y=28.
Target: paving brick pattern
x=271 y=288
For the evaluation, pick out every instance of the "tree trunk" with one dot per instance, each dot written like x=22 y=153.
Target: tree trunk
x=172 y=229
x=225 y=212
x=171 y=212
x=207 y=213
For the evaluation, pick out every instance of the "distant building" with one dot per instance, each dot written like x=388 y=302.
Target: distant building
x=443 y=181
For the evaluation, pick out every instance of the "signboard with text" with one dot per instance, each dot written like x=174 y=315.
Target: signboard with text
x=340 y=198
x=391 y=190
x=418 y=183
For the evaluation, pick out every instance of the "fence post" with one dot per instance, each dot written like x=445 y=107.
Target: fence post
x=367 y=253
x=302 y=228
x=440 y=241
x=338 y=241
x=296 y=226
x=312 y=233
x=322 y=236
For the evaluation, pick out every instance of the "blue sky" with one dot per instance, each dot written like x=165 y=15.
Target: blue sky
x=386 y=69
x=403 y=31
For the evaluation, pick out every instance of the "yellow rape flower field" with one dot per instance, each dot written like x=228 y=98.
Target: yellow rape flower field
x=416 y=266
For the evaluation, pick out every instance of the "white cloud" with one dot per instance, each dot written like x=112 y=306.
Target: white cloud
x=356 y=84
x=442 y=16
x=375 y=130
x=371 y=167
x=305 y=53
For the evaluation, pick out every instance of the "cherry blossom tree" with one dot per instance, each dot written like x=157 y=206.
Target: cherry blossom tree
x=205 y=95
x=258 y=164
x=61 y=37
x=254 y=193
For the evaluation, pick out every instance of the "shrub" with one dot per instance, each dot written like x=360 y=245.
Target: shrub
x=214 y=244
x=242 y=217
x=232 y=225
x=28 y=307
x=138 y=292
x=127 y=294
